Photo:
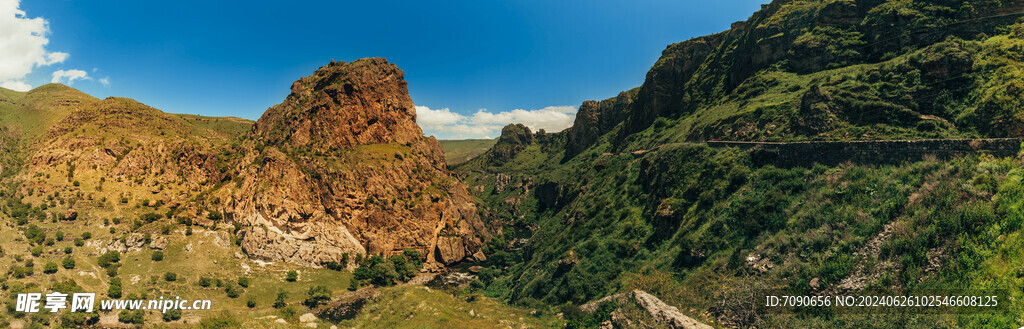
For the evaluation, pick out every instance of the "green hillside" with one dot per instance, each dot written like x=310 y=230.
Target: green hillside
x=459 y=151
x=630 y=197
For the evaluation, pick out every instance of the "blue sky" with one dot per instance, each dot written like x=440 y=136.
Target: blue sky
x=472 y=66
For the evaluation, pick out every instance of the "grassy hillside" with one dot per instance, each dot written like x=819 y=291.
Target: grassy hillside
x=629 y=197
x=459 y=151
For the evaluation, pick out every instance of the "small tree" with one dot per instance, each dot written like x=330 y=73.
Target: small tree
x=292 y=276
x=50 y=268
x=280 y=301
x=232 y=291
x=317 y=295
x=114 y=291
x=68 y=263
x=172 y=315
x=109 y=258
x=353 y=284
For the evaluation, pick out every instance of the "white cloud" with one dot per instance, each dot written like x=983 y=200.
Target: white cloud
x=445 y=124
x=23 y=43
x=551 y=118
x=15 y=85
x=105 y=81
x=426 y=116
x=69 y=76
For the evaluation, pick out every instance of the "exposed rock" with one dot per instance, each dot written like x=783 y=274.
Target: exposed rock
x=158 y=243
x=478 y=257
x=344 y=168
x=347 y=306
x=308 y=317
x=595 y=119
x=664 y=314
x=514 y=138
x=70 y=215
x=451 y=279
x=130 y=242
x=501 y=180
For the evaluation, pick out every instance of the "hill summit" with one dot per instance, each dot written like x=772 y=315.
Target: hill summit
x=341 y=167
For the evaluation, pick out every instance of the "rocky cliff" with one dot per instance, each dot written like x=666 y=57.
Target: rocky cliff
x=342 y=167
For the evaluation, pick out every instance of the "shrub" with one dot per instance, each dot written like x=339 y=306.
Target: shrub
x=68 y=250
x=292 y=276
x=50 y=268
x=232 y=291
x=205 y=282
x=317 y=295
x=136 y=317
x=157 y=256
x=353 y=284
x=279 y=302
x=172 y=315
x=251 y=303
x=243 y=281
x=68 y=263
x=114 y=291
x=225 y=320
x=170 y=277
x=37 y=250
x=109 y=258
x=79 y=242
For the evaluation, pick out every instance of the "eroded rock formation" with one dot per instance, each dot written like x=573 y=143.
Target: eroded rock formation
x=342 y=167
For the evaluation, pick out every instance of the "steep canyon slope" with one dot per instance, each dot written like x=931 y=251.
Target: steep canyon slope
x=629 y=197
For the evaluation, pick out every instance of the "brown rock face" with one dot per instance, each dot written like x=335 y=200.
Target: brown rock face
x=341 y=167
x=342 y=105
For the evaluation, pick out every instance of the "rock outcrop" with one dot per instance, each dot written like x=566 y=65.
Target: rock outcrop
x=342 y=167
x=664 y=314
x=514 y=138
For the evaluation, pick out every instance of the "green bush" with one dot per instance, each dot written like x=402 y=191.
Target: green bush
x=317 y=295
x=50 y=268
x=157 y=256
x=292 y=276
x=68 y=263
x=114 y=289
x=172 y=315
x=170 y=277
x=279 y=301
x=109 y=258
x=137 y=317
x=232 y=291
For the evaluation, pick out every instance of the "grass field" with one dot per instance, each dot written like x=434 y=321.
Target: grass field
x=459 y=151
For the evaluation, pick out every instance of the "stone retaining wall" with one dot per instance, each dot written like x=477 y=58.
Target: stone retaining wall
x=797 y=154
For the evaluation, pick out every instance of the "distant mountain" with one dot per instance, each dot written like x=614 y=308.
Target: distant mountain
x=461 y=150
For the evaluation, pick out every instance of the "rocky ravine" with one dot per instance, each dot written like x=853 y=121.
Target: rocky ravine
x=342 y=167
